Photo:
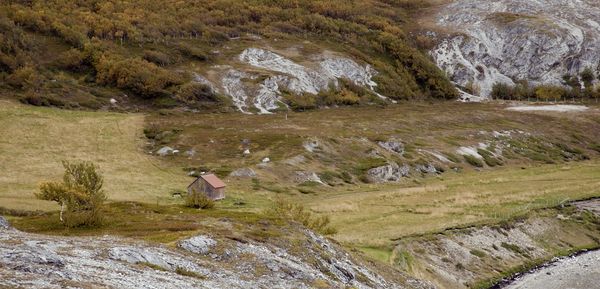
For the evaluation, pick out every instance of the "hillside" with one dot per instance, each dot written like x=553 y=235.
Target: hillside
x=519 y=43
x=194 y=54
x=334 y=125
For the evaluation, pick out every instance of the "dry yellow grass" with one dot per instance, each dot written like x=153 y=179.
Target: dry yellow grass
x=35 y=140
x=381 y=213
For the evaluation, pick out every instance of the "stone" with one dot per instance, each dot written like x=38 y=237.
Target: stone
x=266 y=160
x=200 y=244
x=243 y=173
x=388 y=173
x=392 y=146
x=501 y=41
x=164 y=151
x=305 y=176
x=4 y=224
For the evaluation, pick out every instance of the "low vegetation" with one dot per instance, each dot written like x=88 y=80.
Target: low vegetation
x=569 y=90
x=297 y=213
x=198 y=200
x=79 y=52
x=79 y=195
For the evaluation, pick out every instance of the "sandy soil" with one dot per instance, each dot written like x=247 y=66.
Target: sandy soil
x=556 y=108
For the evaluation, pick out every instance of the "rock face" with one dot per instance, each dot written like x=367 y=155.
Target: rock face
x=4 y=224
x=243 y=173
x=38 y=261
x=501 y=41
x=389 y=173
x=199 y=244
x=257 y=85
x=392 y=146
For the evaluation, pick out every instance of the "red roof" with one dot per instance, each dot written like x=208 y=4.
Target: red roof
x=213 y=181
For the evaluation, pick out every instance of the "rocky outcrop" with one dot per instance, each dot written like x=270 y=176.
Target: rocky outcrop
x=502 y=41
x=393 y=146
x=199 y=244
x=388 y=173
x=460 y=258
x=38 y=261
x=259 y=85
x=243 y=173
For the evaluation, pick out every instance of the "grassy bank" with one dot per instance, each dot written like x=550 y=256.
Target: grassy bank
x=36 y=140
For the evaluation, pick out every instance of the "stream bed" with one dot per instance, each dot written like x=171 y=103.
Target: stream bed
x=576 y=272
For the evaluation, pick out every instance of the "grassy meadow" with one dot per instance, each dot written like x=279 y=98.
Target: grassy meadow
x=370 y=216
x=35 y=140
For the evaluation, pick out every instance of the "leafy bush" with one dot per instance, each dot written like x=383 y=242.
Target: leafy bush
x=550 y=92
x=372 y=31
x=297 y=213
x=194 y=92
x=489 y=158
x=71 y=59
x=24 y=77
x=79 y=194
x=156 y=57
x=138 y=75
x=474 y=161
x=198 y=200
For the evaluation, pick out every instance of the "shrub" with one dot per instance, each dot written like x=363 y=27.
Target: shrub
x=185 y=272
x=71 y=59
x=156 y=57
x=194 y=92
x=478 y=253
x=297 y=213
x=198 y=200
x=489 y=158
x=193 y=52
x=550 y=92
x=24 y=77
x=502 y=91
x=79 y=194
x=301 y=102
x=474 y=161
x=135 y=74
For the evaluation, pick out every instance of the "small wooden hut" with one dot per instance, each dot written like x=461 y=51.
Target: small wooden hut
x=210 y=185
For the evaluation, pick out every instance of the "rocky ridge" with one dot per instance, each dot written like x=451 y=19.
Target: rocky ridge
x=202 y=261
x=261 y=76
x=509 y=40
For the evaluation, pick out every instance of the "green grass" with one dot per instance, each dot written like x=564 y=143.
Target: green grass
x=368 y=215
x=474 y=161
x=36 y=140
x=374 y=214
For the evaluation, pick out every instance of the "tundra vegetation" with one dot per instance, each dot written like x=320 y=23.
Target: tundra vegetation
x=80 y=54
x=572 y=88
x=79 y=194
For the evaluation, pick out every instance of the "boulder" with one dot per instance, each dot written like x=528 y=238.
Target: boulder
x=305 y=176
x=165 y=151
x=200 y=244
x=388 y=173
x=243 y=173
x=426 y=169
x=393 y=146
x=4 y=224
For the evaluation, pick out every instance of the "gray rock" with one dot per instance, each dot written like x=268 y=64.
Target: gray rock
x=388 y=173
x=501 y=41
x=392 y=146
x=138 y=255
x=4 y=224
x=305 y=176
x=199 y=244
x=165 y=151
x=426 y=169
x=243 y=173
